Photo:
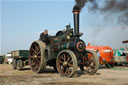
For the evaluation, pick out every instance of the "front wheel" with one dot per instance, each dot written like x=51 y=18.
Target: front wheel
x=90 y=63
x=66 y=63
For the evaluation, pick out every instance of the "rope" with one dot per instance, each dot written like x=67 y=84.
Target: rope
x=114 y=68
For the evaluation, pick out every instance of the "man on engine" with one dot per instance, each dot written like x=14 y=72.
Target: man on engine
x=44 y=36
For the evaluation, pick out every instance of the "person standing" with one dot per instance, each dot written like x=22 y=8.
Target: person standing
x=98 y=54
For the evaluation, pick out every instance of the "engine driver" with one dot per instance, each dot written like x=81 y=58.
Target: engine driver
x=44 y=36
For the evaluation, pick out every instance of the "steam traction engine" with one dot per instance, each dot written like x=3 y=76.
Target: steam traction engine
x=64 y=52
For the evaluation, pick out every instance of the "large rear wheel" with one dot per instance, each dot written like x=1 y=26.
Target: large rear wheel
x=37 y=59
x=66 y=63
x=90 y=63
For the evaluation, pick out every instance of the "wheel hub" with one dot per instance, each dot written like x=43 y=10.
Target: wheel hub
x=65 y=63
x=35 y=56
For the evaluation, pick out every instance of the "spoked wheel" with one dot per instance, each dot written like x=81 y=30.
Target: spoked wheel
x=90 y=63
x=66 y=63
x=37 y=57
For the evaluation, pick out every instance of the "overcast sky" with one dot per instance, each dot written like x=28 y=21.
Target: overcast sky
x=23 y=21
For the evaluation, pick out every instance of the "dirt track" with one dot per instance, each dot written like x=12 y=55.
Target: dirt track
x=105 y=76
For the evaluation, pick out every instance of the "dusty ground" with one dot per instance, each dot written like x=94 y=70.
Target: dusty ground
x=105 y=76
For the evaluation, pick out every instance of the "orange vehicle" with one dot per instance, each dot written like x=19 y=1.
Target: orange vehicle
x=105 y=54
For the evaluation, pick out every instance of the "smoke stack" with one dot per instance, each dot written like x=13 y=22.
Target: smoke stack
x=76 y=10
x=76 y=21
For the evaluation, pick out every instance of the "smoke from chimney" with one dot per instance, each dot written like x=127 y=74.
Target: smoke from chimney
x=117 y=7
x=79 y=4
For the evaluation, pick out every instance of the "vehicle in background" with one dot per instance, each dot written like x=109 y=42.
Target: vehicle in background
x=8 y=58
x=2 y=59
x=20 y=59
x=120 y=57
x=126 y=48
x=106 y=54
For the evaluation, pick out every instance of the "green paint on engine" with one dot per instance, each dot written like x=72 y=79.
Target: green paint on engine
x=63 y=46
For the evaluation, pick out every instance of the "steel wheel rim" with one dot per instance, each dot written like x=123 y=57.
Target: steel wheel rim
x=35 y=57
x=65 y=64
x=90 y=63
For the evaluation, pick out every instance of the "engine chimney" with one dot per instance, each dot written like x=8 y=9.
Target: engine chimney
x=76 y=22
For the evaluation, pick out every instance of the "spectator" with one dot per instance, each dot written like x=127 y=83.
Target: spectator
x=98 y=54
